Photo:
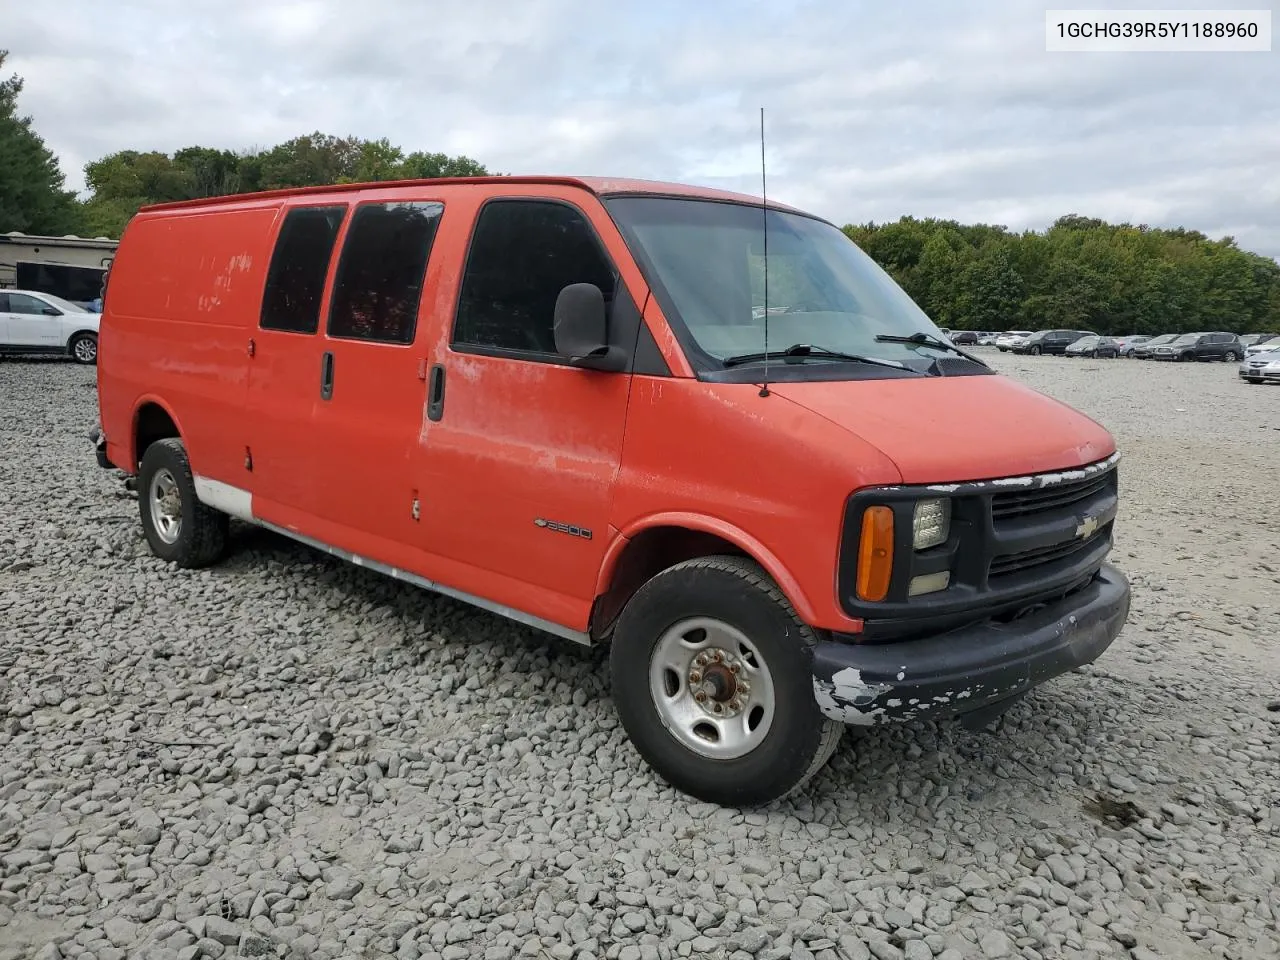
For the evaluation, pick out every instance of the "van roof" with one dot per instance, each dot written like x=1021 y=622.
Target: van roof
x=600 y=186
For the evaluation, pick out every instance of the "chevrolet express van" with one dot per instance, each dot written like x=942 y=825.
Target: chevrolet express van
x=552 y=398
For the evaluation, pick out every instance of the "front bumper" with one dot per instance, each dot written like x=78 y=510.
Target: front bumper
x=972 y=668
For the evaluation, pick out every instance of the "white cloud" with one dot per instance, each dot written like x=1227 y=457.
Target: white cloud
x=928 y=108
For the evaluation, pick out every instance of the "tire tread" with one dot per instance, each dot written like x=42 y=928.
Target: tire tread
x=209 y=527
x=751 y=573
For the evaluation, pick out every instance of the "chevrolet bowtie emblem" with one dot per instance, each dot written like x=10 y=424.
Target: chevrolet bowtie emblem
x=1086 y=527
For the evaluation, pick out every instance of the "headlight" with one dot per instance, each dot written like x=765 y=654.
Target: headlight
x=931 y=524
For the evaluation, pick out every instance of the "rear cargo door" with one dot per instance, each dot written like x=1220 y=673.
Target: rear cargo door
x=370 y=382
x=285 y=373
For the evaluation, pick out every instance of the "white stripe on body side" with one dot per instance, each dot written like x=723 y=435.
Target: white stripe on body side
x=222 y=496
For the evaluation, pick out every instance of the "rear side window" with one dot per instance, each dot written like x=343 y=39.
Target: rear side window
x=384 y=261
x=523 y=253
x=295 y=280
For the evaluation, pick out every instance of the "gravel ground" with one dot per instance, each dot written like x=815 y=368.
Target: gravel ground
x=287 y=756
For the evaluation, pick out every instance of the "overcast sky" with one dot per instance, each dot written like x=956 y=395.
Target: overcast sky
x=873 y=110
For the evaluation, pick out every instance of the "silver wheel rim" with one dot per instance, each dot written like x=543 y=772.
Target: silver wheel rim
x=712 y=688
x=166 y=506
x=86 y=349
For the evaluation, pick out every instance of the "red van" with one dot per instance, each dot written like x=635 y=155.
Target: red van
x=550 y=397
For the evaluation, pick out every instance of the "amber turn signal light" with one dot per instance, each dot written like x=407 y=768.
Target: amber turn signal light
x=875 y=554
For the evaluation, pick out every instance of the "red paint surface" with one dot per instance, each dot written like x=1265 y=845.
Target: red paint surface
x=952 y=429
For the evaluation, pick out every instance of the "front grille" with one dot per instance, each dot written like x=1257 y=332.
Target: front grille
x=1022 y=503
x=1015 y=563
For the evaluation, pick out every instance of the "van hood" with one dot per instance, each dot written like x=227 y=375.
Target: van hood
x=954 y=429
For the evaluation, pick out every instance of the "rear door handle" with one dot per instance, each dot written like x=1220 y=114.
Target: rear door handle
x=326 y=375
x=435 y=393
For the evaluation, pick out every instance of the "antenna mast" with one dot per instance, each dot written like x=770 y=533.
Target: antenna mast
x=764 y=209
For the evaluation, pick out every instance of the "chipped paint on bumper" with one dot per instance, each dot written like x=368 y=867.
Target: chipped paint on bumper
x=970 y=668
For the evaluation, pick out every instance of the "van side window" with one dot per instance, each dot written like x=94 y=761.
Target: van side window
x=380 y=273
x=295 y=279
x=523 y=253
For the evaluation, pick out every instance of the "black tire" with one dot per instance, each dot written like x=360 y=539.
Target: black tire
x=201 y=536
x=736 y=591
x=83 y=348
x=1231 y=357
x=1034 y=351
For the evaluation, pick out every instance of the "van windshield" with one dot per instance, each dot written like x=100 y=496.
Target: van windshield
x=705 y=260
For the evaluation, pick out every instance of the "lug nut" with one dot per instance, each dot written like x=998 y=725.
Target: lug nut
x=737 y=705
x=695 y=677
x=700 y=696
x=716 y=707
x=736 y=668
x=718 y=655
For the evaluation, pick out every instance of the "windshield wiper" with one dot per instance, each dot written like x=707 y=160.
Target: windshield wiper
x=801 y=350
x=925 y=340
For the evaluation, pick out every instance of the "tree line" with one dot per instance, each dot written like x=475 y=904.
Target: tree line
x=1081 y=273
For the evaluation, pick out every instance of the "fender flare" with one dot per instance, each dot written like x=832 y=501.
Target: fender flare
x=138 y=404
x=703 y=523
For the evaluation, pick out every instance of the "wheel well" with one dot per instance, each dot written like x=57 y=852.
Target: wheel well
x=152 y=423
x=80 y=333
x=647 y=555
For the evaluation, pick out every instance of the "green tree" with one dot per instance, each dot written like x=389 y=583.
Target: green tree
x=1081 y=272
x=125 y=181
x=33 y=197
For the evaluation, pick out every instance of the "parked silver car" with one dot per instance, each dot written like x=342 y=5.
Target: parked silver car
x=1261 y=367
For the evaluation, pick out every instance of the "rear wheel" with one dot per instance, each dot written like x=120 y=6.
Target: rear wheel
x=84 y=348
x=178 y=527
x=1231 y=356
x=711 y=678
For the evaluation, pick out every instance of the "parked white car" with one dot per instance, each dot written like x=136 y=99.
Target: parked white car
x=1007 y=341
x=1265 y=346
x=1261 y=367
x=40 y=323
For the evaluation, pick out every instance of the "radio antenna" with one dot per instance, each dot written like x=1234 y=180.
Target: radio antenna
x=764 y=209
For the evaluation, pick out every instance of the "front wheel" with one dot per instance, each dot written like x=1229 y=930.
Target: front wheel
x=1034 y=351
x=84 y=348
x=711 y=678
x=178 y=526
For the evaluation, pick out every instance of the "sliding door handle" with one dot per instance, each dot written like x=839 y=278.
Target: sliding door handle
x=326 y=375
x=435 y=393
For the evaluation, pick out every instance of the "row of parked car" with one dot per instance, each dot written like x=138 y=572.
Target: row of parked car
x=1258 y=353
x=1178 y=347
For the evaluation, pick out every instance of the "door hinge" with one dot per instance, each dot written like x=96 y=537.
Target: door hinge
x=253 y=347
x=248 y=459
x=416 y=511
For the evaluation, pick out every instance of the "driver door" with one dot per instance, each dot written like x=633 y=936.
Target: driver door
x=32 y=323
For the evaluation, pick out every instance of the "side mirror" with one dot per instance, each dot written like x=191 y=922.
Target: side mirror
x=581 y=329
